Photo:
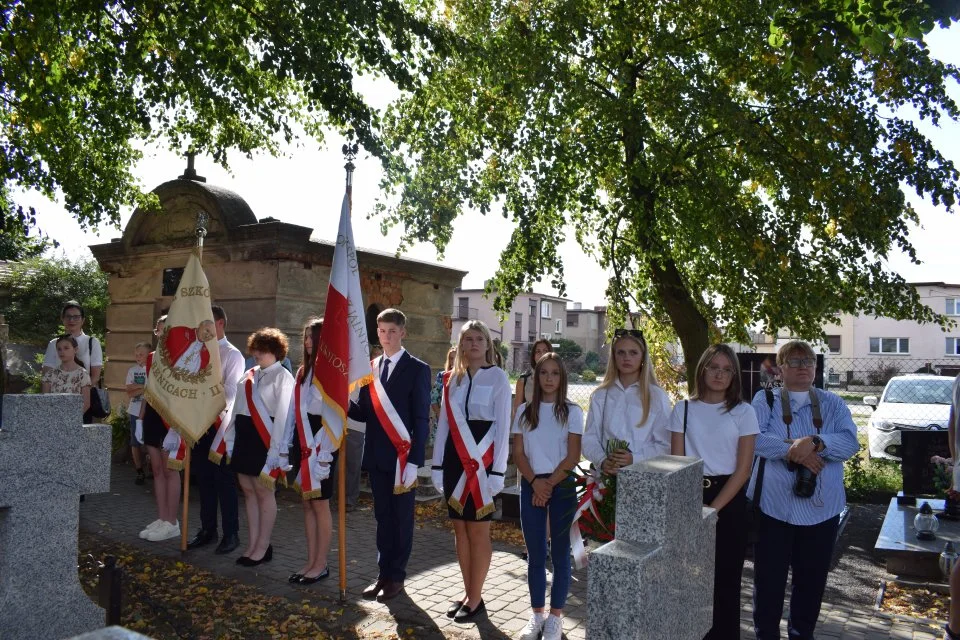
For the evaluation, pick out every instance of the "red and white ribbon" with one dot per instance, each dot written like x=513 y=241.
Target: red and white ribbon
x=307 y=484
x=592 y=496
x=396 y=431
x=264 y=425
x=475 y=458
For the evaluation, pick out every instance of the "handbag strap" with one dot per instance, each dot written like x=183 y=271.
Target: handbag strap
x=90 y=366
x=686 y=407
x=758 y=489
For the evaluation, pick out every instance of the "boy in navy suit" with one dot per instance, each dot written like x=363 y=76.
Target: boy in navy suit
x=396 y=410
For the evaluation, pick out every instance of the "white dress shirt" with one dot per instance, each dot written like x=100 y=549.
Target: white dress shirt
x=231 y=362
x=615 y=413
x=394 y=359
x=275 y=386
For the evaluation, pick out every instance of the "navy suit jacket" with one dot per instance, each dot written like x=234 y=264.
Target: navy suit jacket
x=409 y=389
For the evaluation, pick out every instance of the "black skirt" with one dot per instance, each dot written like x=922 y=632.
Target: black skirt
x=326 y=486
x=154 y=431
x=249 y=452
x=453 y=469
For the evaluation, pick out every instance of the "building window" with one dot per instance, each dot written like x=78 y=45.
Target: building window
x=953 y=347
x=573 y=319
x=517 y=326
x=953 y=309
x=890 y=345
x=833 y=343
x=546 y=309
x=463 y=308
x=559 y=326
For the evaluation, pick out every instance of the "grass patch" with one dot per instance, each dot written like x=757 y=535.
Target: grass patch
x=871 y=480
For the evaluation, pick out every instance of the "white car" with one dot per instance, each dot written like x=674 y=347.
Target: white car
x=916 y=402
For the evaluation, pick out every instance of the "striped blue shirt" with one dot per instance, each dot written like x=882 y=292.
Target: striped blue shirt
x=839 y=435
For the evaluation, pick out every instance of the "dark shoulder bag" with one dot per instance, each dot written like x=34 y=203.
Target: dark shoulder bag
x=99 y=397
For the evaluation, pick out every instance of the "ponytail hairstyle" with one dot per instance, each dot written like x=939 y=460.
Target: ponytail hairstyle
x=561 y=408
x=313 y=328
x=76 y=348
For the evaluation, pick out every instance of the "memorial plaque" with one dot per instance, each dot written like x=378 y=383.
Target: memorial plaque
x=916 y=449
x=759 y=371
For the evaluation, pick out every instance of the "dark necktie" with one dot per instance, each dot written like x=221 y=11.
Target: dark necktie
x=385 y=371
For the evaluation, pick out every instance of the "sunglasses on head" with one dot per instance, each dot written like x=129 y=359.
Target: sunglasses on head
x=633 y=333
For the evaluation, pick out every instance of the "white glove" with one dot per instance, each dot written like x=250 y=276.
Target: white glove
x=324 y=456
x=138 y=431
x=321 y=471
x=437 y=477
x=285 y=463
x=494 y=484
x=409 y=475
x=273 y=461
x=171 y=442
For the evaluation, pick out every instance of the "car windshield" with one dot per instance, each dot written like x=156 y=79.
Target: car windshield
x=919 y=391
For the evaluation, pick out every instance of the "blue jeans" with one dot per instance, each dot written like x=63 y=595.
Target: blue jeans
x=533 y=521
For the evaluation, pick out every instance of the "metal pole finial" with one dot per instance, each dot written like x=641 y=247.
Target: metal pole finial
x=201 y=229
x=350 y=150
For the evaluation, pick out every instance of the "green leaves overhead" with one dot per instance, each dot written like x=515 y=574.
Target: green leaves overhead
x=83 y=82
x=719 y=182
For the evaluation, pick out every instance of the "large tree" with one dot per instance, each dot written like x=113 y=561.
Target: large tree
x=83 y=83
x=721 y=163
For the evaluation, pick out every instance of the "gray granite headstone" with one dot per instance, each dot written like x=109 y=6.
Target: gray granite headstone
x=47 y=459
x=655 y=580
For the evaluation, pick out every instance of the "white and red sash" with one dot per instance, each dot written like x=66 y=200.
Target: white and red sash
x=591 y=497
x=475 y=458
x=174 y=461
x=218 y=448
x=262 y=422
x=306 y=483
x=393 y=426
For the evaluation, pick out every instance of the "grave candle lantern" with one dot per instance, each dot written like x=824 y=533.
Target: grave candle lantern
x=948 y=558
x=926 y=523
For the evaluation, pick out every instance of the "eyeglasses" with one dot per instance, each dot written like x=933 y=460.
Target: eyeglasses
x=72 y=316
x=724 y=372
x=633 y=333
x=798 y=363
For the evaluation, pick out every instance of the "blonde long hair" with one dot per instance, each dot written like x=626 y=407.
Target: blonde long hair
x=647 y=376
x=459 y=362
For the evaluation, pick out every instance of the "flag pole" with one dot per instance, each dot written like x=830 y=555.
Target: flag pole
x=201 y=233
x=349 y=152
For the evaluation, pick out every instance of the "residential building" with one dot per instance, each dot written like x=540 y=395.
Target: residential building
x=588 y=328
x=532 y=316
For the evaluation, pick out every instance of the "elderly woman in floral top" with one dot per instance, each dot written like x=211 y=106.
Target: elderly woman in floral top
x=70 y=376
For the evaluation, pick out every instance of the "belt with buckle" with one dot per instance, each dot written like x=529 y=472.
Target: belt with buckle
x=709 y=481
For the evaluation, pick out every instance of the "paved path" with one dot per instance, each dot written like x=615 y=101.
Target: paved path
x=433 y=579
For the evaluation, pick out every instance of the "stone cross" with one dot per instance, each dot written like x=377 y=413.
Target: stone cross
x=48 y=458
x=655 y=580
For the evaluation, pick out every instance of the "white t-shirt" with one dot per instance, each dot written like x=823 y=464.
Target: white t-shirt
x=137 y=374
x=51 y=360
x=546 y=446
x=713 y=433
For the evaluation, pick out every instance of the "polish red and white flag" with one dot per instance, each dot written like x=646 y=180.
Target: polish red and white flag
x=343 y=355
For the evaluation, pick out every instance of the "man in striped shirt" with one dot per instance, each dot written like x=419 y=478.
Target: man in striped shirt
x=806 y=431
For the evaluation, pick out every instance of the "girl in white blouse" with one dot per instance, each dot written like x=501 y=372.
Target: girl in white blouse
x=470 y=456
x=254 y=437
x=629 y=406
x=546 y=446
x=716 y=425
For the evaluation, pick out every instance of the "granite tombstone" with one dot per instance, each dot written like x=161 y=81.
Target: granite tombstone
x=655 y=580
x=48 y=458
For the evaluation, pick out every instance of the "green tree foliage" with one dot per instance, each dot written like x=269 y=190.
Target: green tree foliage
x=568 y=350
x=591 y=360
x=720 y=185
x=83 y=83
x=40 y=286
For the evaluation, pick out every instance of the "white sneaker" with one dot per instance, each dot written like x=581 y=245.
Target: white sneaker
x=165 y=531
x=533 y=628
x=150 y=527
x=552 y=628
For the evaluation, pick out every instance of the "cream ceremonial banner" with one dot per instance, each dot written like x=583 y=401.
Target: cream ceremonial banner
x=185 y=382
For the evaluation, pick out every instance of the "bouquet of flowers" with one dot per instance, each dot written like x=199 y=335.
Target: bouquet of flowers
x=597 y=498
x=942 y=474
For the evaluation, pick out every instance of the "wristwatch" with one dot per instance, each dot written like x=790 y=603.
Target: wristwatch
x=818 y=445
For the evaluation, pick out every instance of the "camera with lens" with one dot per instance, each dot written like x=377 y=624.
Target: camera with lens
x=805 y=482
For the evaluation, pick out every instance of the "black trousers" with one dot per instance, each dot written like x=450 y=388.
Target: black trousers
x=805 y=550
x=731 y=550
x=395 y=515
x=218 y=486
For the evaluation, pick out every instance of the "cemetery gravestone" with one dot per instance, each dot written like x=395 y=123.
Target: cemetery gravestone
x=655 y=580
x=916 y=450
x=47 y=460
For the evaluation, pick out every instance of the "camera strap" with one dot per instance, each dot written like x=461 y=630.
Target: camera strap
x=788 y=415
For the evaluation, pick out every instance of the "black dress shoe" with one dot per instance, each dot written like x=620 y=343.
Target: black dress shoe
x=230 y=542
x=391 y=590
x=268 y=556
x=317 y=578
x=202 y=538
x=243 y=560
x=295 y=577
x=371 y=592
x=452 y=611
x=466 y=613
